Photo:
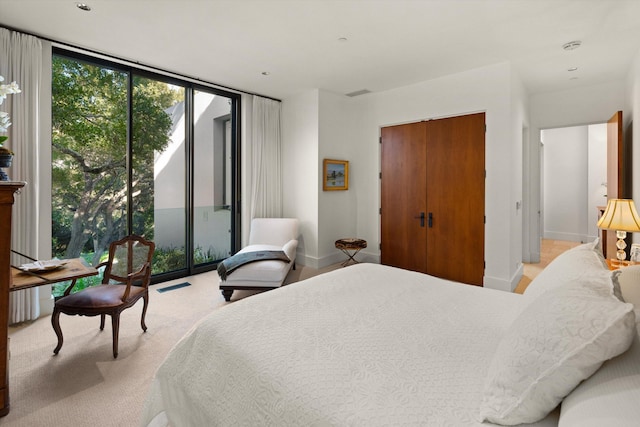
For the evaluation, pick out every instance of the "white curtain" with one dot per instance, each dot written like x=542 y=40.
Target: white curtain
x=266 y=176
x=21 y=61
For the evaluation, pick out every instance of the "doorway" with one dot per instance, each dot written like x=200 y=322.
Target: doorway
x=574 y=181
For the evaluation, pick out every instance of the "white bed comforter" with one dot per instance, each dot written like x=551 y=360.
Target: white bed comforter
x=367 y=345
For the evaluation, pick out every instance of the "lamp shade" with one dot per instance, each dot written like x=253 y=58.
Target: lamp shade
x=620 y=215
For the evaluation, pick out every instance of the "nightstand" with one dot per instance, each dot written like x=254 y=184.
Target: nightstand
x=614 y=264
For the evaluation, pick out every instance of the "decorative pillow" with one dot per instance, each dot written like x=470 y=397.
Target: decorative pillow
x=560 y=339
x=610 y=396
x=580 y=264
x=629 y=280
x=595 y=247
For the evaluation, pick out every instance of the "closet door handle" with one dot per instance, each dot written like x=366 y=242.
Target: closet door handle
x=430 y=219
x=421 y=217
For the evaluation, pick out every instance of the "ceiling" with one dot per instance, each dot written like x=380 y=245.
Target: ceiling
x=389 y=43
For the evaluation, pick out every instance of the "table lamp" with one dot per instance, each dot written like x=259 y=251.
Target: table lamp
x=620 y=215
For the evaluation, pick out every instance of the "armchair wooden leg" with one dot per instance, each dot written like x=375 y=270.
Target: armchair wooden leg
x=115 y=325
x=145 y=300
x=55 y=322
x=102 y=322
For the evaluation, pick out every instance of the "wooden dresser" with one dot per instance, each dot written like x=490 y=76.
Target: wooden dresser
x=7 y=192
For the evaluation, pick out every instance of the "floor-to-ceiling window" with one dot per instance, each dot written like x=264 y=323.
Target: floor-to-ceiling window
x=213 y=178
x=138 y=152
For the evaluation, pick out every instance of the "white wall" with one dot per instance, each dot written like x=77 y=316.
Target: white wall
x=512 y=145
x=337 y=210
x=487 y=89
x=300 y=175
x=579 y=106
x=597 y=177
x=519 y=131
x=333 y=124
x=633 y=106
x=565 y=174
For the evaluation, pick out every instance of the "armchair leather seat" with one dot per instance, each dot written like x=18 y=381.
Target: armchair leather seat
x=100 y=296
x=266 y=234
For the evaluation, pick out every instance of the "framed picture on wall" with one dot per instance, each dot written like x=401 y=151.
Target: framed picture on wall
x=335 y=175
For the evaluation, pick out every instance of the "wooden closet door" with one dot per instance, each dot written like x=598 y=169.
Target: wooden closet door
x=432 y=197
x=455 y=198
x=403 y=197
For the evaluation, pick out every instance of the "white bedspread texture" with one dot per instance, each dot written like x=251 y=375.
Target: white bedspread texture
x=366 y=345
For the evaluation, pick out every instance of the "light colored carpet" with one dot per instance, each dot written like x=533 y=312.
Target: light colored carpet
x=84 y=385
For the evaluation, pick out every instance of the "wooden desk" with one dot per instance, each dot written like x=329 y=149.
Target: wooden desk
x=73 y=270
x=7 y=191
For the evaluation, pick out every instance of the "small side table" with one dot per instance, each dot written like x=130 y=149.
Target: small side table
x=350 y=246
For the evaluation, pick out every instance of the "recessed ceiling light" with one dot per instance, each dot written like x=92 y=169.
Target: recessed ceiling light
x=265 y=73
x=83 y=6
x=573 y=69
x=572 y=45
x=342 y=39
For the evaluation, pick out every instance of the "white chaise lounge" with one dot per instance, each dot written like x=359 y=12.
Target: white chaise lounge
x=266 y=234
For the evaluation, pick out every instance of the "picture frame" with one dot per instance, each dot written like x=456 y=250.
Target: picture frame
x=335 y=175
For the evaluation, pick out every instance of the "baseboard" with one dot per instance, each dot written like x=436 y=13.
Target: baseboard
x=517 y=276
x=498 y=284
x=571 y=237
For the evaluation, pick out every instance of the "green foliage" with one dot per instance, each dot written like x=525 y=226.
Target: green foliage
x=90 y=154
x=172 y=258
x=201 y=256
x=168 y=259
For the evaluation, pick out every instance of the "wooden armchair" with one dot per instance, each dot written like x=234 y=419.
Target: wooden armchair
x=126 y=280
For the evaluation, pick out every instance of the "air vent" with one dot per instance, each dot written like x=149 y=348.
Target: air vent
x=358 y=92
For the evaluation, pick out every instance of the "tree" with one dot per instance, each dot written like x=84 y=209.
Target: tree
x=90 y=160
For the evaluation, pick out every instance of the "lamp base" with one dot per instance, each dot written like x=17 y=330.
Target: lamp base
x=621 y=245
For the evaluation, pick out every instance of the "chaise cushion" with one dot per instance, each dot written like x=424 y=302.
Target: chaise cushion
x=260 y=271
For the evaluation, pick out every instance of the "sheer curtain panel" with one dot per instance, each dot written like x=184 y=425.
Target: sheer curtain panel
x=21 y=61
x=266 y=180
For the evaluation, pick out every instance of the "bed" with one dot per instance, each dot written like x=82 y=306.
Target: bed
x=372 y=345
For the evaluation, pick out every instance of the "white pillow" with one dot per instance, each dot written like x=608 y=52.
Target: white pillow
x=560 y=339
x=629 y=280
x=580 y=264
x=590 y=246
x=609 y=397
